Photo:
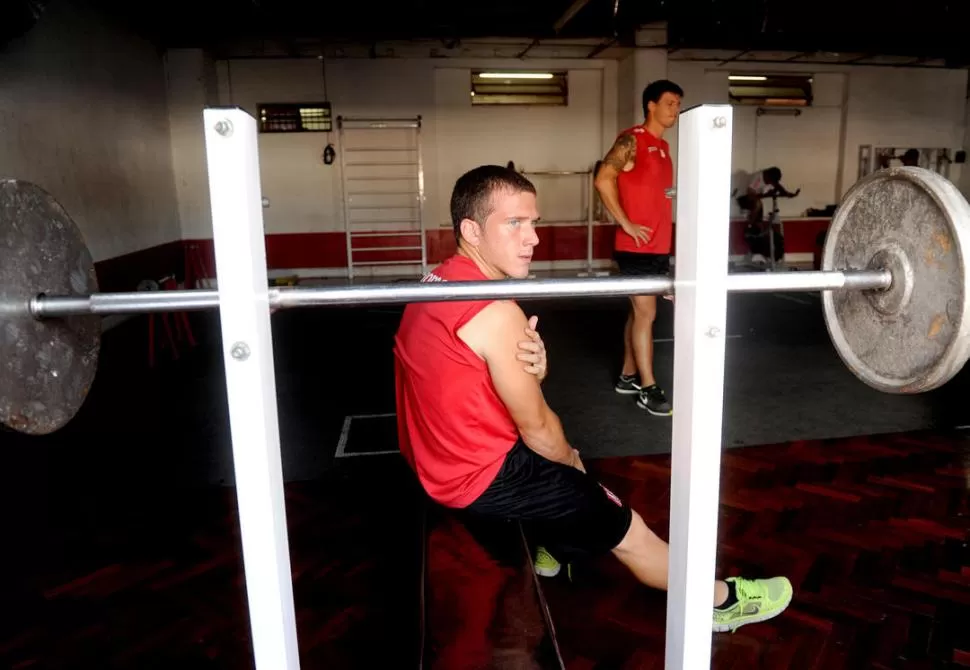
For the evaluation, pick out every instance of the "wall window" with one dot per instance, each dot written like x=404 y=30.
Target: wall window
x=511 y=87
x=770 y=90
x=295 y=118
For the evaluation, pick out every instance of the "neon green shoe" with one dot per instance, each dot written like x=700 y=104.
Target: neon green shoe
x=758 y=600
x=545 y=565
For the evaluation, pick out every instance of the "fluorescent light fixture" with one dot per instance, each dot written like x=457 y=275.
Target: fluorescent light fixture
x=745 y=77
x=516 y=75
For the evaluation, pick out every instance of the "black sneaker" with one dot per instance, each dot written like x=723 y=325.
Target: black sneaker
x=653 y=399
x=627 y=385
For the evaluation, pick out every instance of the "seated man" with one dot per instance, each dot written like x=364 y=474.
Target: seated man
x=764 y=184
x=475 y=428
x=910 y=158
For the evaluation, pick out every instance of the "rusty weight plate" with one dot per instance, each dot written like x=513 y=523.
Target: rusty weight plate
x=914 y=336
x=46 y=366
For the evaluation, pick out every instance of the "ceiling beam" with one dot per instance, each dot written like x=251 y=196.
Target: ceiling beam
x=600 y=48
x=568 y=15
x=532 y=44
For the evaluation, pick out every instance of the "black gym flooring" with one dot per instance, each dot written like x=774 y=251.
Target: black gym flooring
x=169 y=425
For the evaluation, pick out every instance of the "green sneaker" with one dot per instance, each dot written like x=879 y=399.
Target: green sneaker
x=545 y=565
x=758 y=600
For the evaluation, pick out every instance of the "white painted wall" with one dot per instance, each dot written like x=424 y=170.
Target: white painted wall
x=902 y=108
x=192 y=86
x=304 y=193
x=854 y=105
x=536 y=138
x=627 y=110
x=83 y=114
x=817 y=150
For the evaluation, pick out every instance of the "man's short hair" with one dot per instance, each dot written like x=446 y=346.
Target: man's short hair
x=773 y=174
x=472 y=196
x=655 y=90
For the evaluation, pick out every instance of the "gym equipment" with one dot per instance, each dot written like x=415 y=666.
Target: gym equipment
x=914 y=336
x=893 y=283
x=896 y=247
x=382 y=187
x=46 y=366
x=50 y=301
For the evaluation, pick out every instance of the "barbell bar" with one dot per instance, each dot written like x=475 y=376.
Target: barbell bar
x=893 y=283
x=105 y=304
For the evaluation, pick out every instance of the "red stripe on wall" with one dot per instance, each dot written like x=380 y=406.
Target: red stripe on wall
x=329 y=250
x=122 y=273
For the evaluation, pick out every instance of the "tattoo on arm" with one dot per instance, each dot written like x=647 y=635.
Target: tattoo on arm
x=623 y=151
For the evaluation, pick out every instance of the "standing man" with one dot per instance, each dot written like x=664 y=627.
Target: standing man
x=636 y=184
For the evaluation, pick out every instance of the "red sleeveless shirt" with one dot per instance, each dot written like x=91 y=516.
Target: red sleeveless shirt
x=643 y=194
x=453 y=429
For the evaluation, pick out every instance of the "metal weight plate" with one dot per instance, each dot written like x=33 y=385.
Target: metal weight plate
x=46 y=366
x=914 y=336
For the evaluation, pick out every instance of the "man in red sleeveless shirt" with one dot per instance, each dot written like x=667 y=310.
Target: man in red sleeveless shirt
x=476 y=430
x=636 y=183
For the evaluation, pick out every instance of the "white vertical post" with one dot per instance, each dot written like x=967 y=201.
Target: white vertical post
x=240 y=251
x=590 y=218
x=703 y=209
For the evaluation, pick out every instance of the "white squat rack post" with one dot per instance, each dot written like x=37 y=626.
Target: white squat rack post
x=240 y=254
x=703 y=209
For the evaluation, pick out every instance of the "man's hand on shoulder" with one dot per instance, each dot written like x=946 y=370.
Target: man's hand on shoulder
x=494 y=334
x=534 y=351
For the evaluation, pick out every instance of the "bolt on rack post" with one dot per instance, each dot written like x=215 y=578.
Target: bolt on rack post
x=382 y=186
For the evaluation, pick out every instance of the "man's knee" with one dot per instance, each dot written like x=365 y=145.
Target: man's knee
x=644 y=308
x=634 y=536
x=638 y=537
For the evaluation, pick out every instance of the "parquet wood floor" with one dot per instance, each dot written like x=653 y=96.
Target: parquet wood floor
x=873 y=533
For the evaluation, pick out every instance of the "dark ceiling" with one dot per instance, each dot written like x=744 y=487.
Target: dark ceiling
x=927 y=28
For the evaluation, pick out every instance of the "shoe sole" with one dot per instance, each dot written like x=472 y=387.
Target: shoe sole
x=547 y=572
x=653 y=411
x=623 y=391
x=761 y=618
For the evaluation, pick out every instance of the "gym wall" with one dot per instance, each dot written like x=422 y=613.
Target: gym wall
x=116 y=136
x=93 y=130
x=818 y=151
x=305 y=216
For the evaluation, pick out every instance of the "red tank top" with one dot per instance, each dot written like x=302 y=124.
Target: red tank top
x=643 y=194
x=453 y=429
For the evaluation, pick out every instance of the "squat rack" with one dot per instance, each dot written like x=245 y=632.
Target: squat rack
x=704 y=175
x=244 y=298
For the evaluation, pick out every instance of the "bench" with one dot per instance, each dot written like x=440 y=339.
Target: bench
x=482 y=606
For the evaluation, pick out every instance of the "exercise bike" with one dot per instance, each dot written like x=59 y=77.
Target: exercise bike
x=766 y=238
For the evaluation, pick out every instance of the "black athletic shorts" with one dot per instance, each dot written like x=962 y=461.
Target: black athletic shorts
x=568 y=512
x=638 y=265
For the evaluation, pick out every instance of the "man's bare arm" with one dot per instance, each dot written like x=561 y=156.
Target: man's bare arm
x=494 y=334
x=620 y=158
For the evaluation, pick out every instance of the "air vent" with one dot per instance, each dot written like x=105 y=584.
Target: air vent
x=295 y=118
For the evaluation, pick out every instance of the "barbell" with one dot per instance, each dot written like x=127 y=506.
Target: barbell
x=893 y=277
